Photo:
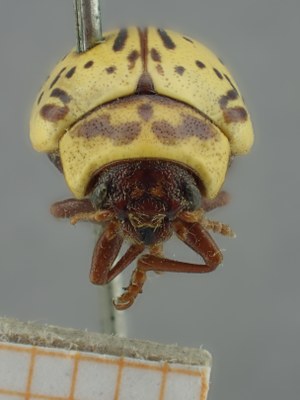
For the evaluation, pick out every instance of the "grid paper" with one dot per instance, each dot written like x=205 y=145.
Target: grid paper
x=33 y=372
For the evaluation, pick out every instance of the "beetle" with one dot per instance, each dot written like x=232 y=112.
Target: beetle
x=143 y=127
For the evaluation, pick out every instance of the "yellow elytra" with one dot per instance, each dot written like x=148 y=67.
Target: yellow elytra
x=149 y=93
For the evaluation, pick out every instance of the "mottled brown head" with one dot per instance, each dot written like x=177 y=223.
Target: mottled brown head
x=146 y=196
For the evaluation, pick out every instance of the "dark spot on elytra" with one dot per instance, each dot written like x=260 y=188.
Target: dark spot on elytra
x=232 y=114
x=57 y=78
x=167 y=41
x=155 y=55
x=223 y=102
x=231 y=84
x=179 y=69
x=61 y=95
x=218 y=73
x=132 y=57
x=200 y=64
x=100 y=126
x=70 y=73
x=145 y=84
x=53 y=113
x=187 y=39
x=120 y=40
x=230 y=95
x=190 y=126
x=145 y=111
x=40 y=98
x=160 y=69
x=111 y=69
x=165 y=132
x=89 y=64
x=235 y=114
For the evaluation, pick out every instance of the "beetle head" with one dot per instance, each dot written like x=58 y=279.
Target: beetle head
x=146 y=197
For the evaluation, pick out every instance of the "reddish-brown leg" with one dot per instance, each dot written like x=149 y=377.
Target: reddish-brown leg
x=196 y=237
x=198 y=217
x=70 y=207
x=106 y=250
x=79 y=210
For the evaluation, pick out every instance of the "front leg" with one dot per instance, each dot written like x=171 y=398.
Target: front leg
x=109 y=243
x=79 y=210
x=70 y=207
x=196 y=237
x=105 y=253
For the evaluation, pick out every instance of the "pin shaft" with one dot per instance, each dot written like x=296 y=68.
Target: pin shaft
x=88 y=23
x=89 y=33
x=111 y=320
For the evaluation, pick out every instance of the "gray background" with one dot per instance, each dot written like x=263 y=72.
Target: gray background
x=247 y=312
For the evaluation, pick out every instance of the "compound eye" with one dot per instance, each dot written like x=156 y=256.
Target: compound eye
x=193 y=196
x=98 y=195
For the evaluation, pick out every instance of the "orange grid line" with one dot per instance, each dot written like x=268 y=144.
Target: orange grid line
x=164 y=371
x=30 y=373
x=74 y=376
x=76 y=356
x=204 y=387
x=17 y=348
x=140 y=365
x=32 y=395
x=121 y=364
